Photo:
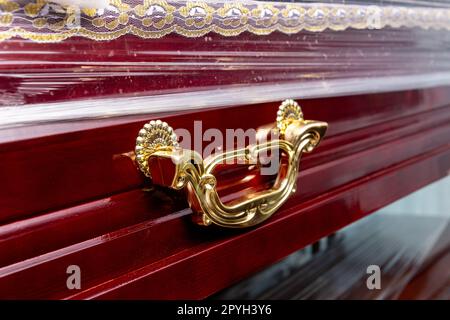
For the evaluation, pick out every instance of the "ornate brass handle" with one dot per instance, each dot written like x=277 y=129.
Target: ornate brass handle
x=159 y=157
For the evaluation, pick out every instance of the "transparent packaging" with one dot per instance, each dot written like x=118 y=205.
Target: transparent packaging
x=63 y=62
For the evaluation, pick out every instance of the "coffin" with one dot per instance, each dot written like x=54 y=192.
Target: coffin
x=78 y=84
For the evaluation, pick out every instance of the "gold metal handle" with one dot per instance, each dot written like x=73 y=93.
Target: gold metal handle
x=159 y=157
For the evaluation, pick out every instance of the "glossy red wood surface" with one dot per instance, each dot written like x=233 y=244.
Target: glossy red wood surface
x=76 y=197
x=99 y=158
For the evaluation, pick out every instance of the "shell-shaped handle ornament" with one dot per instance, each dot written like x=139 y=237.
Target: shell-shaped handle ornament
x=160 y=158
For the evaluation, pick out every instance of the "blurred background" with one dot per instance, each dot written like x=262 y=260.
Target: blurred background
x=409 y=240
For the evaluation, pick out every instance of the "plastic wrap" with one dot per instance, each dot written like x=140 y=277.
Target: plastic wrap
x=133 y=57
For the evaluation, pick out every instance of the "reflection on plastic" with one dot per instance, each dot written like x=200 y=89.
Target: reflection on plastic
x=80 y=78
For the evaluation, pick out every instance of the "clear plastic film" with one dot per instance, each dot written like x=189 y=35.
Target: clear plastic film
x=61 y=61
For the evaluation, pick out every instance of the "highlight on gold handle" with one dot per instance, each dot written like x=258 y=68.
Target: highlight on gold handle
x=160 y=157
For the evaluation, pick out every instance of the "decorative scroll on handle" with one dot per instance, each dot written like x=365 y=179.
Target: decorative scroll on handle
x=160 y=157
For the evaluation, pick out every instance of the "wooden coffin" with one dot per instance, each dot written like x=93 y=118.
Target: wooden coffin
x=73 y=98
